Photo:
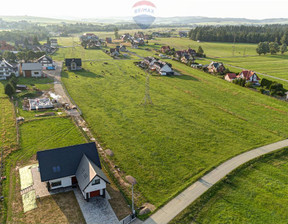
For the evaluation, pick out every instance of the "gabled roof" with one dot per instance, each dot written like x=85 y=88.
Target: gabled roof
x=31 y=66
x=68 y=61
x=6 y=63
x=64 y=162
x=45 y=57
x=231 y=75
x=87 y=171
x=247 y=74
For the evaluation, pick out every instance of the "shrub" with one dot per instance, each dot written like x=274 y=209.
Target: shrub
x=9 y=89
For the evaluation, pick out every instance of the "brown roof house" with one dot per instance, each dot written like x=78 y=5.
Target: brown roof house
x=249 y=76
x=216 y=67
x=230 y=77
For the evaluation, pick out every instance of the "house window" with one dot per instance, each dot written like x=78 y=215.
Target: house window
x=96 y=181
x=56 y=184
x=36 y=73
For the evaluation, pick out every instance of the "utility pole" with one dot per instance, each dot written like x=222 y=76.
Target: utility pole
x=147 y=99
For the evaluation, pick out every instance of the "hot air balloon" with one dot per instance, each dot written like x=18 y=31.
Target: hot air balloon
x=144 y=13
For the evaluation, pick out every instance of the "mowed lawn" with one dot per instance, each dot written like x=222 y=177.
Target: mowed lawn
x=256 y=193
x=35 y=136
x=211 y=49
x=197 y=122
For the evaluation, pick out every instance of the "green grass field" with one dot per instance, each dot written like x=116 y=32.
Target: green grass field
x=197 y=121
x=35 y=136
x=255 y=193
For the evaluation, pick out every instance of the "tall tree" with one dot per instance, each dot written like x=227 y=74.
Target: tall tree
x=35 y=40
x=283 y=48
x=9 y=56
x=274 y=47
x=284 y=39
x=116 y=33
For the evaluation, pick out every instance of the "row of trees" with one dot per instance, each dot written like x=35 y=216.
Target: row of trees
x=272 y=47
x=241 y=34
x=25 y=56
x=274 y=88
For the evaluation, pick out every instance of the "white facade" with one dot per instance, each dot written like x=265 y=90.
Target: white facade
x=65 y=182
x=90 y=188
x=6 y=70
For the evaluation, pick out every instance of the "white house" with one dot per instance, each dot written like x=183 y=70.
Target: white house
x=230 y=77
x=6 y=70
x=165 y=70
x=249 y=76
x=32 y=70
x=54 y=43
x=45 y=61
x=72 y=166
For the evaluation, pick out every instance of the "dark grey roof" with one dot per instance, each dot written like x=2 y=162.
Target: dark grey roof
x=87 y=171
x=31 y=66
x=68 y=61
x=45 y=57
x=64 y=162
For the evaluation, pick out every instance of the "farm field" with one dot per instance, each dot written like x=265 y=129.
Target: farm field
x=168 y=146
x=255 y=193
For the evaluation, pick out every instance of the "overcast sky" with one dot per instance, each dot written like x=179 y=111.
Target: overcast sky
x=253 y=9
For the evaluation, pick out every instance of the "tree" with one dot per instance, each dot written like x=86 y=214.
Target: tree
x=274 y=47
x=13 y=80
x=116 y=33
x=9 y=56
x=266 y=48
x=9 y=89
x=48 y=41
x=200 y=51
x=35 y=40
x=260 y=49
x=284 y=39
x=283 y=48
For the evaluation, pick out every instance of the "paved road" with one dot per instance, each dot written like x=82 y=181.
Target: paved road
x=179 y=203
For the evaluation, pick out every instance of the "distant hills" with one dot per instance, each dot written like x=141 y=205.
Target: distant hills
x=188 y=20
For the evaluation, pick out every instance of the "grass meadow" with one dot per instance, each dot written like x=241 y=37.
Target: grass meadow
x=255 y=193
x=35 y=135
x=197 y=120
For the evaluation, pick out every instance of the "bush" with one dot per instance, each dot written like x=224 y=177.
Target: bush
x=266 y=83
x=249 y=85
x=9 y=89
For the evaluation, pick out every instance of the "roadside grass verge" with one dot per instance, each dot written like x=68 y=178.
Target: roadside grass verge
x=253 y=193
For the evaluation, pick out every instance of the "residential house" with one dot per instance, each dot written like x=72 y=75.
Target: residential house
x=183 y=33
x=31 y=70
x=108 y=40
x=54 y=43
x=73 y=64
x=123 y=48
x=89 y=36
x=186 y=58
x=45 y=61
x=114 y=52
x=165 y=49
x=179 y=54
x=230 y=77
x=216 y=67
x=161 y=67
x=249 y=76
x=7 y=69
x=72 y=166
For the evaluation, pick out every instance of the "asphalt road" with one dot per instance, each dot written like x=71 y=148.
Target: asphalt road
x=179 y=203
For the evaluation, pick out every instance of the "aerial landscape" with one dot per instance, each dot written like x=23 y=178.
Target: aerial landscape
x=144 y=112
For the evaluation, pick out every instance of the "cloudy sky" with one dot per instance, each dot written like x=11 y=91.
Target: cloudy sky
x=254 y=9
